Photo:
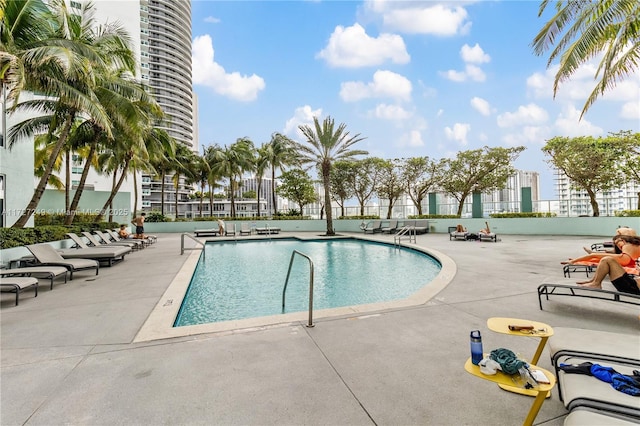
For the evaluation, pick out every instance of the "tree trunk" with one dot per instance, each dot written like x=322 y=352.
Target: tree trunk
x=177 y=189
x=258 y=195
x=326 y=168
x=114 y=191
x=39 y=191
x=162 y=194
x=125 y=169
x=638 y=200
x=361 y=209
x=594 y=203
x=232 y=197
x=67 y=183
x=460 y=206
x=71 y=210
x=419 y=206
x=135 y=192
x=322 y=212
x=274 y=206
x=390 y=208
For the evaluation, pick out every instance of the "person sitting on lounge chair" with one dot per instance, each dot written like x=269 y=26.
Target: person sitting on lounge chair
x=485 y=231
x=221 y=227
x=629 y=252
x=623 y=230
x=460 y=228
x=124 y=233
x=621 y=279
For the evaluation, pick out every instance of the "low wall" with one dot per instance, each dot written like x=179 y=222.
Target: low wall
x=588 y=226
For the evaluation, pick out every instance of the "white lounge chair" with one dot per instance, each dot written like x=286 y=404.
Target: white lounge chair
x=17 y=285
x=373 y=227
x=244 y=228
x=103 y=240
x=47 y=255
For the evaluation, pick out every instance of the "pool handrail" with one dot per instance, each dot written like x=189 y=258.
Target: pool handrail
x=284 y=290
x=182 y=247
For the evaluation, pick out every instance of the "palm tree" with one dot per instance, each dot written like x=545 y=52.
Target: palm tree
x=261 y=165
x=181 y=164
x=582 y=30
x=327 y=144
x=65 y=68
x=231 y=162
x=280 y=154
x=201 y=175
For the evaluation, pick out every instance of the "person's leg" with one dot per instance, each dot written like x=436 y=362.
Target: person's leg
x=607 y=266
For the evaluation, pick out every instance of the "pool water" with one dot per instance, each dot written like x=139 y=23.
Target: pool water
x=245 y=279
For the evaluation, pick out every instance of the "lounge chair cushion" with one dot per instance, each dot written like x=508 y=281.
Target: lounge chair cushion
x=583 y=416
x=582 y=390
x=577 y=340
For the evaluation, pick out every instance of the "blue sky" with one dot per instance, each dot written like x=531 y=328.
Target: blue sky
x=416 y=78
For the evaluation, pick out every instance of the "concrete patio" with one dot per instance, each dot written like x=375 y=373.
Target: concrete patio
x=68 y=355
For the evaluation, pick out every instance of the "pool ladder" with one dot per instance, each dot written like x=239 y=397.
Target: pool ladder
x=409 y=231
x=183 y=248
x=284 y=290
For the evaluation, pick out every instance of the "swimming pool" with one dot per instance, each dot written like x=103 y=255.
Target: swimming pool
x=235 y=280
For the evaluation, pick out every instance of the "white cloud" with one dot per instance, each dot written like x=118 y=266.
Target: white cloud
x=413 y=139
x=422 y=18
x=211 y=74
x=471 y=72
x=391 y=112
x=580 y=86
x=470 y=55
x=211 y=20
x=351 y=47
x=475 y=73
x=630 y=111
x=458 y=133
x=526 y=114
x=528 y=135
x=385 y=84
x=569 y=124
x=302 y=115
x=474 y=54
x=481 y=105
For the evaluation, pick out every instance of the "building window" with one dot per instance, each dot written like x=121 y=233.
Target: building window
x=76 y=5
x=76 y=170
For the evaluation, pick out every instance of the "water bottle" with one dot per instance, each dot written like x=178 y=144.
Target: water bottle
x=476 y=347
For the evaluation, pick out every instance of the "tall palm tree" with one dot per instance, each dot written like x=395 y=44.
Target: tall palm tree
x=582 y=30
x=261 y=165
x=201 y=176
x=181 y=165
x=231 y=162
x=63 y=65
x=326 y=144
x=280 y=153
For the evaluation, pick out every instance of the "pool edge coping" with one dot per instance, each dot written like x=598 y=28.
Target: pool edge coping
x=159 y=323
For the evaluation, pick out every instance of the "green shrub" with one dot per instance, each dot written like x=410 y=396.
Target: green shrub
x=17 y=237
x=628 y=213
x=370 y=216
x=521 y=214
x=156 y=217
x=434 y=216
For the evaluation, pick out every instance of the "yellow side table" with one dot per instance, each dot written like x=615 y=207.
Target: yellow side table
x=540 y=329
x=541 y=391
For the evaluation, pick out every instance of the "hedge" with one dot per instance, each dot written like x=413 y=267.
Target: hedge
x=16 y=237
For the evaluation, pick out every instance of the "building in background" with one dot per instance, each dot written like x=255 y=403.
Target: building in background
x=576 y=202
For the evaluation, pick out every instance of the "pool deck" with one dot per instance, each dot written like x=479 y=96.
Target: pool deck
x=70 y=356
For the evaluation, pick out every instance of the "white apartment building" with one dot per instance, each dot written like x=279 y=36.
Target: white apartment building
x=574 y=202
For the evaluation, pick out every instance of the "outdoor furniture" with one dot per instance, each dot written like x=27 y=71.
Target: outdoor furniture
x=550 y=289
x=17 y=285
x=48 y=272
x=47 y=255
x=244 y=228
x=205 y=232
x=541 y=390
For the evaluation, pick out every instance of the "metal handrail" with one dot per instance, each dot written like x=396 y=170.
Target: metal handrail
x=405 y=230
x=284 y=290
x=182 y=247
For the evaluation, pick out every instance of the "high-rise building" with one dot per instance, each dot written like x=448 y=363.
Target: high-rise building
x=576 y=202
x=160 y=32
